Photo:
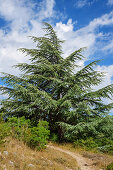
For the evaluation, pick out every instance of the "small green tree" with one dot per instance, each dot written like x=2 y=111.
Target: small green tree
x=19 y=127
x=4 y=130
x=49 y=89
x=39 y=135
x=35 y=137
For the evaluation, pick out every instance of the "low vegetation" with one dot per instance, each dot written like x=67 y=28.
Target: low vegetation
x=22 y=145
x=110 y=166
x=18 y=156
x=21 y=129
x=103 y=145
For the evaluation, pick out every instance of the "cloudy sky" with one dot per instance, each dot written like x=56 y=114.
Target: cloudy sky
x=82 y=23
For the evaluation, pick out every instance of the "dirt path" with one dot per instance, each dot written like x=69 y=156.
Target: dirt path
x=83 y=163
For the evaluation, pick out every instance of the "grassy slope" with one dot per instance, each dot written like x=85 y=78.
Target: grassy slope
x=20 y=157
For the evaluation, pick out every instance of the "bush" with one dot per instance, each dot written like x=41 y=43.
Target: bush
x=110 y=166
x=54 y=137
x=106 y=149
x=19 y=126
x=20 y=122
x=4 y=130
x=39 y=135
x=105 y=145
x=89 y=143
x=35 y=137
x=104 y=141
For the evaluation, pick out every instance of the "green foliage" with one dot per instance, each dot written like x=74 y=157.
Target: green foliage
x=39 y=135
x=15 y=121
x=54 y=137
x=106 y=149
x=19 y=127
x=89 y=143
x=1 y=118
x=51 y=88
x=103 y=141
x=4 y=130
x=104 y=145
x=35 y=137
x=110 y=166
x=99 y=129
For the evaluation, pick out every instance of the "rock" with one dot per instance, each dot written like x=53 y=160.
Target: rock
x=50 y=162
x=31 y=165
x=85 y=164
x=14 y=153
x=5 y=153
x=11 y=163
x=4 y=167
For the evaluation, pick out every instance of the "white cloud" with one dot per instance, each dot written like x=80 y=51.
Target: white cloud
x=84 y=37
x=17 y=37
x=20 y=12
x=106 y=19
x=46 y=9
x=23 y=22
x=109 y=47
x=110 y=2
x=17 y=12
x=81 y=3
x=21 y=15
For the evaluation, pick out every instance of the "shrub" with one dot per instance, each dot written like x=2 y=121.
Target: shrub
x=4 y=130
x=54 y=137
x=105 y=145
x=89 y=143
x=110 y=166
x=39 y=135
x=32 y=136
x=14 y=121
x=104 y=141
x=19 y=126
x=106 y=149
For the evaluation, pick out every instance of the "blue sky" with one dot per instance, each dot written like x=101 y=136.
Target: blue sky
x=82 y=23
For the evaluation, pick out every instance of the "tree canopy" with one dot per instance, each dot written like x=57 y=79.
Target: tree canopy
x=50 y=89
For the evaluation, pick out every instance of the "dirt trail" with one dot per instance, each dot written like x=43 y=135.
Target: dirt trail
x=83 y=163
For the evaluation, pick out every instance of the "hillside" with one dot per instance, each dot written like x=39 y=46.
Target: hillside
x=17 y=156
x=14 y=155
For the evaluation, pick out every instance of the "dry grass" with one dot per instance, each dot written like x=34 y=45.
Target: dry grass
x=21 y=157
x=99 y=160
